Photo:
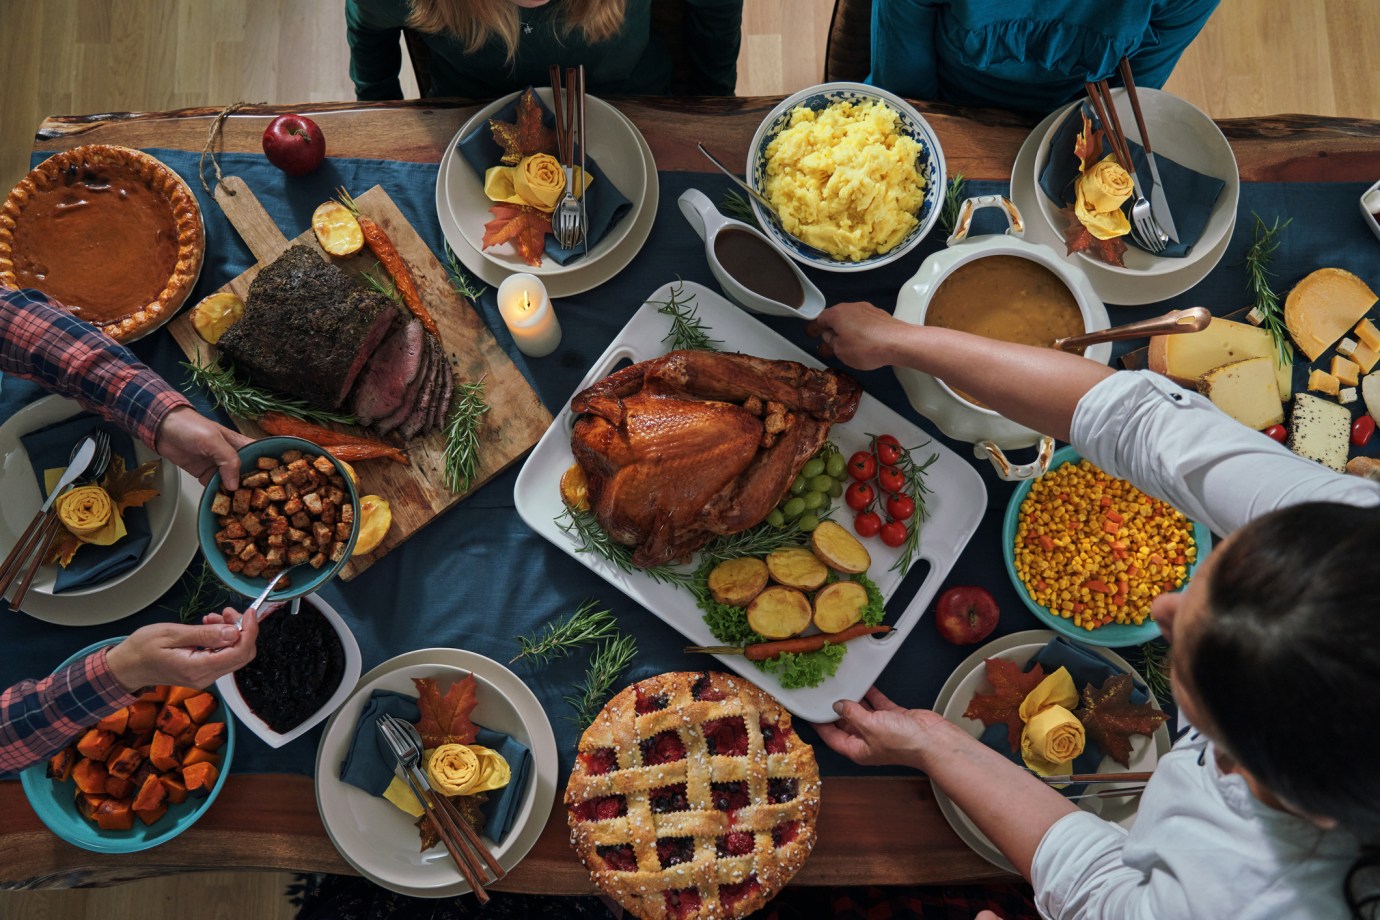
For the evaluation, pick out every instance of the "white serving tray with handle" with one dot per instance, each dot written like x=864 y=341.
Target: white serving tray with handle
x=956 y=503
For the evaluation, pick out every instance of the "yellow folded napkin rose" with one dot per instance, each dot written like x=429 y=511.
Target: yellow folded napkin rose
x=538 y=181
x=1055 y=690
x=465 y=769
x=1101 y=191
x=89 y=514
x=1051 y=740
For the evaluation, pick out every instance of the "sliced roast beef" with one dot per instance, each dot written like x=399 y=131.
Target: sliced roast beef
x=410 y=396
x=307 y=329
x=442 y=407
x=416 y=421
x=389 y=373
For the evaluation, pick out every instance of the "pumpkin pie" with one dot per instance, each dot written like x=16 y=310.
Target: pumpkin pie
x=110 y=232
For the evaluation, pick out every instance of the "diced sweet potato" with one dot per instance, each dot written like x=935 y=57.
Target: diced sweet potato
x=199 y=778
x=211 y=736
x=151 y=815
x=116 y=722
x=154 y=694
x=151 y=794
x=114 y=815
x=89 y=775
x=177 y=793
x=196 y=755
x=172 y=720
x=119 y=787
x=185 y=739
x=143 y=715
x=178 y=695
x=163 y=752
x=123 y=761
x=61 y=764
x=87 y=803
x=200 y=707
x=144 y=772
x=96 y=744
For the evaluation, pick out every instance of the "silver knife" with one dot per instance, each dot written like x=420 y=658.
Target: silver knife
x=1159 y=204
x=75 y=469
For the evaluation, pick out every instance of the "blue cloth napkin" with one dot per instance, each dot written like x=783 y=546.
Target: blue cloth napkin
x=49 y=448
x=369 y=763
x=1191 y=195
x=605 y=203
x=1085 y=668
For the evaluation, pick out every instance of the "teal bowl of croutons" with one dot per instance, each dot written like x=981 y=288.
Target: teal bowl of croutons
x=296 y=507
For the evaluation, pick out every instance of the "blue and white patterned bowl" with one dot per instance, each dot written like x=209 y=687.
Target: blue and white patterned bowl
x=913 y=125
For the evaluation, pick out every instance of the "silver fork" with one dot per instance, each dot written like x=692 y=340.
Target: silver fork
x=566 y=220
x=1143 y=224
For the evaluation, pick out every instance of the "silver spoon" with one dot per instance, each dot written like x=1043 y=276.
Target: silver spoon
x=259 y=601
x=762 y=200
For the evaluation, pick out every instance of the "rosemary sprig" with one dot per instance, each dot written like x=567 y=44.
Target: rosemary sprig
x=953 y=200
x=378 y=279
x=205 y=593
x=739 y=208
x=1156 y=660
x=235 y=396
x=605 y=667
x=460 y=280
x=587 y=624
x=462 y=435
x=584 y=529
x=1267 y=313
x=687 y=329
x=914 y=474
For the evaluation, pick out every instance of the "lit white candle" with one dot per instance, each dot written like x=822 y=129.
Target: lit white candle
x=528 y=314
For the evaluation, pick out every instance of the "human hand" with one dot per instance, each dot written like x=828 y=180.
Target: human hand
x=200 y=446
x=859 y=334
x=877 y=731
x=187 y=656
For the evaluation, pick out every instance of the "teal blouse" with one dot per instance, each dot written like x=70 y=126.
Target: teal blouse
x=1031 y=55
x=632 y=63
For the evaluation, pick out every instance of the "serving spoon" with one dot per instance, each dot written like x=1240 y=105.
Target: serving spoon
x=766 y=205
x=1194 y=319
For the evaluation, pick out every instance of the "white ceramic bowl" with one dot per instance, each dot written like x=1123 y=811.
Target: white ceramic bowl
x=1181 y=132
x=913 y=125
x=1370 y=206
x=235 y=702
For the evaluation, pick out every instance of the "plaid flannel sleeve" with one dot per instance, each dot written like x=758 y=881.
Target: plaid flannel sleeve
x=39 y=717
x=40 y=341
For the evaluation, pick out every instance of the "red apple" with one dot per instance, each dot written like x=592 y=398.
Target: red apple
x=966 y=615
x=294 y=144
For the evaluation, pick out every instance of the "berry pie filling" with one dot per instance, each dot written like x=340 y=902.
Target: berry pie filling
x=727 y=737
x=783 y=834
x=646 y=704
x=702 y=690
x=730 y=895
x=620 y=857
x=672 y=851
x=668 y=799
x=730 y=796
x=663 y=748
x=601 y=809
x=781 y=789
x=682 y=902
x=599 y=761
x=776 y=738
x=738 y=843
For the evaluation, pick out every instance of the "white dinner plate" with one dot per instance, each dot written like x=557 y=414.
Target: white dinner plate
x=970 y=678
x=381 y=841
x=1117 y=288
x=579 y=276
x=956 y=502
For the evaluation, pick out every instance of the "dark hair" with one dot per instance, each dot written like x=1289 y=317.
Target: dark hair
x=1290 y=645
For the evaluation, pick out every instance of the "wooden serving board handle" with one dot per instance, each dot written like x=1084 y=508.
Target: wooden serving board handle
x=259 y=231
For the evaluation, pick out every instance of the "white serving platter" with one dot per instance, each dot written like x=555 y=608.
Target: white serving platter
x=956 y=504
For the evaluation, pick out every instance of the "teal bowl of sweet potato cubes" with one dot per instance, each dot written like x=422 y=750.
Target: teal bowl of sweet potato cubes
x=296 y=506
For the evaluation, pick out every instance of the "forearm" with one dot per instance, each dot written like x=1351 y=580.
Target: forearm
x=38 y=718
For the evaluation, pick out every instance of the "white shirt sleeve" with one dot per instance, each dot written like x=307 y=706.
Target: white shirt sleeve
x=1177 y=446
x=1078 y=874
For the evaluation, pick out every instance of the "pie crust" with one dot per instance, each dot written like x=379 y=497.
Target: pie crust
x=110 y=232
x=692 y=796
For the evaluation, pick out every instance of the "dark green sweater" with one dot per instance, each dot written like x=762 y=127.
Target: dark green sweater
x=632 y=63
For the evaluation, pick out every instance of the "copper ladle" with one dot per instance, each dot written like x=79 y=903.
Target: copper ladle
x=1194 y=319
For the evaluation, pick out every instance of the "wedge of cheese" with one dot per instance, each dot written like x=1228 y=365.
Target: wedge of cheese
x=1186 y=357
x=1319 y=429
x=1245 y=390
x=1323 y=307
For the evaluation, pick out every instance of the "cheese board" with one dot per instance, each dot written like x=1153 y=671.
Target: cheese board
x=416 y=491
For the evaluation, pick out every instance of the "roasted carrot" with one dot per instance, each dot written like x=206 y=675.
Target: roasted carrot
x=351 y=453
x=764 y=650
x=347 y=447
x=382 y=247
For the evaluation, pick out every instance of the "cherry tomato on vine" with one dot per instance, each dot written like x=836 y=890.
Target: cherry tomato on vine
x=900 y=507
x=1277 y=433
x=862 y=465
x=888 y=450
x=859 y=495
x=867 y=524
x=894 y=533
x=889 y=478
x=1361 y=430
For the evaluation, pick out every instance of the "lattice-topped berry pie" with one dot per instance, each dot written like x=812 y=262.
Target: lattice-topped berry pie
x=693 y=797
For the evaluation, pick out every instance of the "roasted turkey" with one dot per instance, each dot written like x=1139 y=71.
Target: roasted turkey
x=694 y=444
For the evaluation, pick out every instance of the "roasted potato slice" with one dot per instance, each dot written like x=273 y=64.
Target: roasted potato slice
x=839 y=606
x=376 y=516
x=839 y=549
x=575 y=488
x=738 y=581
x=796 y=567
x=336 y=229
x=779 y=612
x=215 y=314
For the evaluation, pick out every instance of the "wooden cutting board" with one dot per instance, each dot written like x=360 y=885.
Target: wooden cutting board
x=516 y=418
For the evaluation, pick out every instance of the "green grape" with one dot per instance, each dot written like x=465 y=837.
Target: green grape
x=799 y=485
x=793 y=508
x=808 y=522
x=835 y=465
x=815 y=500
x=775 y=518
x=836 y=489
x=821 y=483
x=812 y=468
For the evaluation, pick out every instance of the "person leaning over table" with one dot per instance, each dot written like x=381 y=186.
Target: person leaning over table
x=1264 y=809
x=1030 y=55
x=42 y=342
x=482 y=49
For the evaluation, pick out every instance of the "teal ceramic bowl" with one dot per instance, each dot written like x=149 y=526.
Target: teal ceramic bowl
x=304 y=580
x=1113 y=635
x=55 y=803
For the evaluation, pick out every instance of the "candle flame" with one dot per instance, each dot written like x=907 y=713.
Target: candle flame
x=526 y=304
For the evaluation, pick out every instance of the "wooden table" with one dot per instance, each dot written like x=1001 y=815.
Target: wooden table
x=873 y=830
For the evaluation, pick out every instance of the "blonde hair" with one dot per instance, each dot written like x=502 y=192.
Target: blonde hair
x=476 y=22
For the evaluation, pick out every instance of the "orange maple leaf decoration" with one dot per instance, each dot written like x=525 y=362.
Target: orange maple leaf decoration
x=1011 y=687
x=525 y=226
x=1077 y=239
x=1088 y=147
x=1110 y=717
x=526 y=136
x=445 y=718
x=129 y=488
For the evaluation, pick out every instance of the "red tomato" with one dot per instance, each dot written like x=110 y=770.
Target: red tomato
x=859 y=495
x=900 y=507
x=862 y=465
x=1277 y=432
x=888 y=450
x=1361 y=430
x=890 y=479
x=867 y=524
x=893 y=533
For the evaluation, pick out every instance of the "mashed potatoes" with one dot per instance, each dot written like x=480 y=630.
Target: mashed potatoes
x=845 y=179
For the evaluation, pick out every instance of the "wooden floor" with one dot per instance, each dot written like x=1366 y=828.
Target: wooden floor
x=1256 y=57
